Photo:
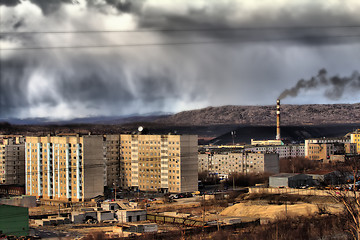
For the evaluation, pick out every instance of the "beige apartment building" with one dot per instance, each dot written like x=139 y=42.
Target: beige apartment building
x=67 y=168
x=166 y=163
x=76 y=168
x=12 y=160
x=324 y=151
x=228 y=162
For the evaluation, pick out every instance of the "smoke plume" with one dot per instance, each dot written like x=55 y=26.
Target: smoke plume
x=103 y=80
x=333 y=87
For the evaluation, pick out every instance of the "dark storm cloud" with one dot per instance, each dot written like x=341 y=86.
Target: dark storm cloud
x=168 y=78
x=9 y=2
x=124 y=6
x=13 y=80
x=50 y=6
x=333 y=87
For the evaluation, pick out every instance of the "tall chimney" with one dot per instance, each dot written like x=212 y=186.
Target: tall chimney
x=278 y=119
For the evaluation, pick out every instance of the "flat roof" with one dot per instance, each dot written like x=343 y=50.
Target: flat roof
x=285 y=175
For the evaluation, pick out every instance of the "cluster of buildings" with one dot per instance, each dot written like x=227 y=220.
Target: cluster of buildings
x=73 y=167
x=77 y=168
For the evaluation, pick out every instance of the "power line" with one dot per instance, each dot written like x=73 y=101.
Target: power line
x=229 y=41
x=276 y=28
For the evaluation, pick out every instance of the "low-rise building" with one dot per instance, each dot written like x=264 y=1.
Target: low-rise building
x=325 y=177
x=131 y=215
x=291 y=180
x=231 y=162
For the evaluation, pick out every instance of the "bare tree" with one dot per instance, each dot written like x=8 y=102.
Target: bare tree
x=348 y=194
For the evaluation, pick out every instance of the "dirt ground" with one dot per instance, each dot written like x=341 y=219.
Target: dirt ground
x=272 y=211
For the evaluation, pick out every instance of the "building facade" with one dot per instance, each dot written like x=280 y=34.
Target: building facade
x=324 y=151
x=323 y=140
x=231 y=162
x=159 y=162
x=112 y=161
x=284 y=151
x=12 y=160
x=355 y=138
x=67 y=168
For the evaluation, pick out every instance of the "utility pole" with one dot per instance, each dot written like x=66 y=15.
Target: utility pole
x=204 y=212
x=233 y=182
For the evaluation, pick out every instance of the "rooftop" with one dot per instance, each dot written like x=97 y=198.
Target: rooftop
x=285 y=175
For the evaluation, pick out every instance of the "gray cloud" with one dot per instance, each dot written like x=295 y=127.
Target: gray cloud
x=118 y=81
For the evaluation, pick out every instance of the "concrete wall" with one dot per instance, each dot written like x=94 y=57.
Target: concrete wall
x=22 y=201
x=307 y=192
x=189 y=163
x=93 y=169
x=271 y=163
x=105 y=215
x=278 y=182
x=131 y=215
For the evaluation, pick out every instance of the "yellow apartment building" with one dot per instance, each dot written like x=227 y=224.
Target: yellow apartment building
x=355 y=138
x=67 y=168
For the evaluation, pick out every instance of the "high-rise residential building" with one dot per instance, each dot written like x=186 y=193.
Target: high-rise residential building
x=67 y=168
x=76 y=168
x=238 y=162
x=166 y=163
x=12 y=160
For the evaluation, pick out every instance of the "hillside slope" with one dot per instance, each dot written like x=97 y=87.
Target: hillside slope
x=314 y=114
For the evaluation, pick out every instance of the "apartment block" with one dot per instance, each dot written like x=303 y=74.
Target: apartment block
x=12 y=160
x=323 y=140
x=284 y=151
x=67 y=168
x=324 y=151
x=229 y=162
x=166 y=163
x=355 y=138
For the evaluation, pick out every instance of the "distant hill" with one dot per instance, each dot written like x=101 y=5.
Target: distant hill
x=292 y=115
x=244 y=134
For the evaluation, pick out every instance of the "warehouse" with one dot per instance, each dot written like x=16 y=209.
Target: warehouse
x=291 y=180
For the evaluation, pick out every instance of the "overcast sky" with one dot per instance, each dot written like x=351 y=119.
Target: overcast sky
x=255 y=51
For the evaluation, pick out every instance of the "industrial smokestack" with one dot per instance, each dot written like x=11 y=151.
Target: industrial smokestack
x=278 y=137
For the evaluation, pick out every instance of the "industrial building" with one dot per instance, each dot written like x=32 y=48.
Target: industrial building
x=12 y=160
x=68 y=168
x=291 y=180
x=229 y=162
